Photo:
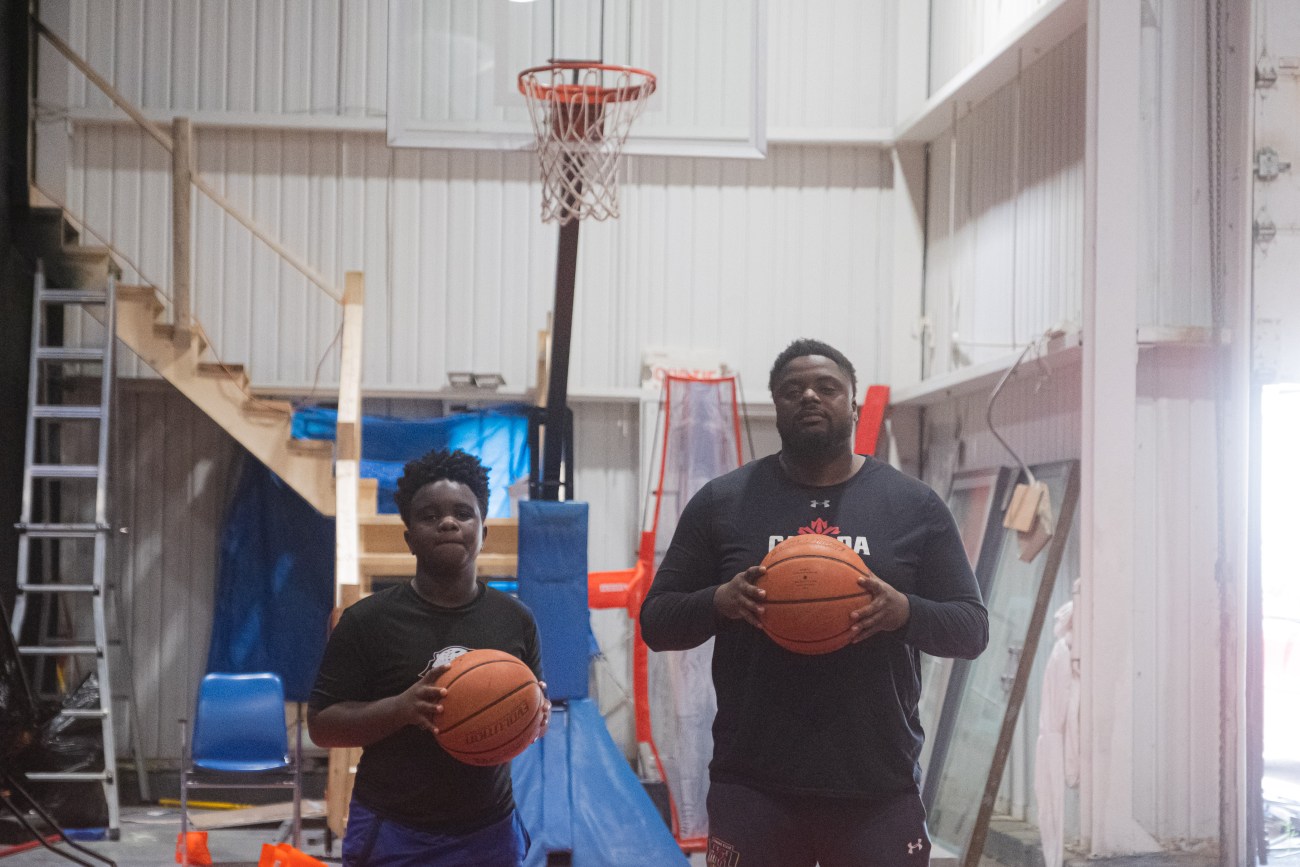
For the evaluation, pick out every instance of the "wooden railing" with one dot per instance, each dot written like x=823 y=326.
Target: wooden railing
x=179 y=145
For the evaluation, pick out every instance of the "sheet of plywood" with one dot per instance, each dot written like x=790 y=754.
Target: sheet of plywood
x=208 y=820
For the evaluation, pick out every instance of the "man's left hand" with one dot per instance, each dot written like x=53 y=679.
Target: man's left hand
x=546 y=712
x=887 y=611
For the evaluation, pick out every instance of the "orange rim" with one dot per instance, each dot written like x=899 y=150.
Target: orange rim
x=584 y=93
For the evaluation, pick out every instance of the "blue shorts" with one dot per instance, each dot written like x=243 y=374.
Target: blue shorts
x=373 y=841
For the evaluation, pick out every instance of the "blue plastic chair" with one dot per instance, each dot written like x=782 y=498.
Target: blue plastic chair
x=241 y=742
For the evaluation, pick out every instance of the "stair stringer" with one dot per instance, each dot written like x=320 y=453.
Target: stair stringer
x=262 y=427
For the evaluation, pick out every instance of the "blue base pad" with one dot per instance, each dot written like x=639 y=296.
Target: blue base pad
x=576 y=793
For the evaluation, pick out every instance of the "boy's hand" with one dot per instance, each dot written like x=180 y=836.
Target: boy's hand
x=422 y=701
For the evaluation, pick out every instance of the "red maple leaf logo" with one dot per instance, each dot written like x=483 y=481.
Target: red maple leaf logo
x=819 y=527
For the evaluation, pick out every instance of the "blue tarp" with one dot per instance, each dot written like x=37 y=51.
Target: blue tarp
x=498 y=436
x=275 y=580
x=576 y=793
x=275 y=583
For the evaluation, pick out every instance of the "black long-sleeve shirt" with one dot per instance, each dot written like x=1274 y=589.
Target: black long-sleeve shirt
x=843 y=723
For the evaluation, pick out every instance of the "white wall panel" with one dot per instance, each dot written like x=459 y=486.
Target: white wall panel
x=1174 y=288
x=830 y=64
x=737 y=256
x=1005 y=210
x=963 y=30
x=289 y=57
x=1176 y=598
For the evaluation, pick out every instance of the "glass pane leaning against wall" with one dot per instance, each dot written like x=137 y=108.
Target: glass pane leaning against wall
x=974 y=718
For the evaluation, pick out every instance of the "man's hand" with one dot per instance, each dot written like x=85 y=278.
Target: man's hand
x=887 y=611
x=421 y=703
x=546 y=712
x=739 y=599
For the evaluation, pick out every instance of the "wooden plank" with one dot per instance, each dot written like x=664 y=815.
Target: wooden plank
x=395 y=565
x=182 y=191
x=349 y=412
x=347 y=466
x=338 y=787
x=208 y=820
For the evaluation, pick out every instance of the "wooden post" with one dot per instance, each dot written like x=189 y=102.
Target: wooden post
x=182 y=172
x=347 y=460
x=348 y=435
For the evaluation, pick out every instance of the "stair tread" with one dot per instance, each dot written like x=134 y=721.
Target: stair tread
x=270 y=407
x=311 y=446
x=219 y=367
x=488 y=564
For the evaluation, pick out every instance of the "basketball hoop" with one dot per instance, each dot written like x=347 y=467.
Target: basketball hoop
x=582 y=112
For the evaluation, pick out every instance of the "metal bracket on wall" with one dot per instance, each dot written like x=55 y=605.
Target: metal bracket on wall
x=1265 y=229
x=1268 y=165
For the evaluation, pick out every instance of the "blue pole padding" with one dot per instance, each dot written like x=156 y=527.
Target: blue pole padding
x=552 y=577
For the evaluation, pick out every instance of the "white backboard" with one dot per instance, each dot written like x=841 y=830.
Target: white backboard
x=453 y=67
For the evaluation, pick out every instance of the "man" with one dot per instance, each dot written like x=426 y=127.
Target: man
x=413 y=805
x=815 y=757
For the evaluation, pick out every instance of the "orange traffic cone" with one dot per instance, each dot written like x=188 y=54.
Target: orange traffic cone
x=285 y=855
x=192 y=848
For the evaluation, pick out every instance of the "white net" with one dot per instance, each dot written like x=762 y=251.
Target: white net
x=701 y=434
x=581 y=115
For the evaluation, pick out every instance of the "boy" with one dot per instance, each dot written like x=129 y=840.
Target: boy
x=412 y=803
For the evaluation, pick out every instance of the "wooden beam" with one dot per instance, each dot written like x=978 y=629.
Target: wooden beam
x=182 y=190
x=347 y=459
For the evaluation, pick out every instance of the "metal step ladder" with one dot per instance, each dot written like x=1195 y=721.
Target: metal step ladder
x=57 y=526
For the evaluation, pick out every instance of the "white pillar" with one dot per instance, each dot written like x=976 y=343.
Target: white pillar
x=1110 y=357
x=902 y=366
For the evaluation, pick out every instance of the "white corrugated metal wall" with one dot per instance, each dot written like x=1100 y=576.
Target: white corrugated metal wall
x=705 y=235
x=962 y=31
x=738 y=257
x=1004 y=256
x=1008 y=266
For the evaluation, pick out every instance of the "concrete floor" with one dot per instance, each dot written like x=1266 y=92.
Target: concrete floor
x=148 y=839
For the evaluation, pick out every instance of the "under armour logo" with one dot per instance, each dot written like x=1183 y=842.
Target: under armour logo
x=825 y=504
x=913 y=848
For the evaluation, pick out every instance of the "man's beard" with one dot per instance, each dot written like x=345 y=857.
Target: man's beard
x=804 y=443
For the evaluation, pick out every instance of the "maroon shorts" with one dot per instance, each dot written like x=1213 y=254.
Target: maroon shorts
x=753 y=828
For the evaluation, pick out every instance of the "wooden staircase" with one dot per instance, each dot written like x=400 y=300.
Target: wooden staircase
x=221 y=390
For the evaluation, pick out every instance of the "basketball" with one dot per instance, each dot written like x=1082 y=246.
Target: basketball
x=492 y=710
x=812 y=586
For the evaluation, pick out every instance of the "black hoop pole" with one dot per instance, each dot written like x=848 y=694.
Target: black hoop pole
x=554 y=463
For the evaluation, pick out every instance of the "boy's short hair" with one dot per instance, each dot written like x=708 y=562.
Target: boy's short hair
x=439 y=464
x=807 y=346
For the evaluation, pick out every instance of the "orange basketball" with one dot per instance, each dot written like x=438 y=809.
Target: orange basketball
x=812 y=587
x=492 y=710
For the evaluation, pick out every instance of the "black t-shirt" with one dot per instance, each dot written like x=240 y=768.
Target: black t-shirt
x=382 y=645
x=843 y=723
